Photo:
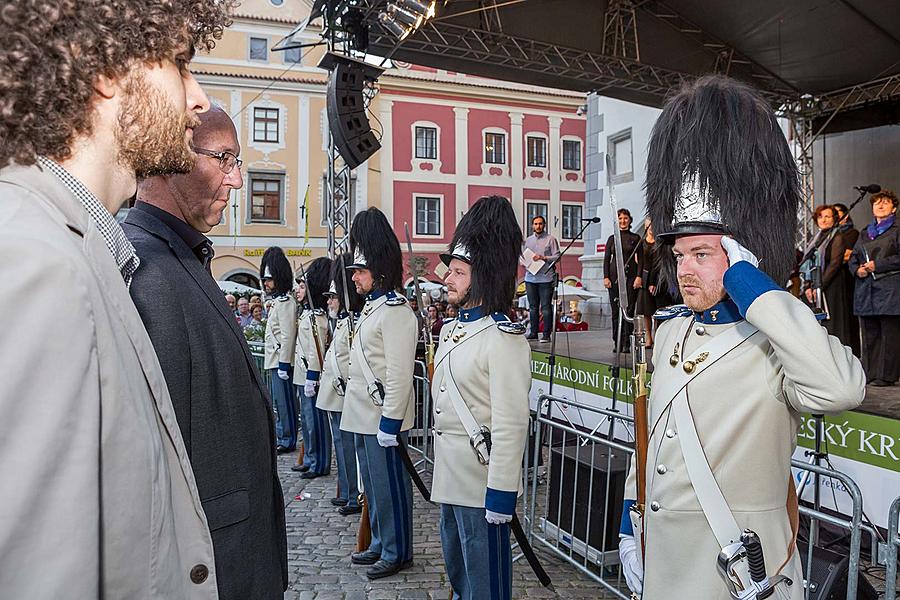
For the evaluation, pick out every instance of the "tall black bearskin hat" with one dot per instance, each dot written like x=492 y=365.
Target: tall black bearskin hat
x=719 y=163
x=318 y=276
x=340 y=279
x=488 y=238
x=375 y=247
x=275 y=266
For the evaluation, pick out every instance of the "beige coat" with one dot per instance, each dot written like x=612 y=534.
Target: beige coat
x=746 y=408
x=98 y=498
x=492 y=370
x=306 y=356
x=336 y=365
x=281 y=331
x=386 y=336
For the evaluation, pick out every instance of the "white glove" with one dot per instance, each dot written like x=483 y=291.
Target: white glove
x=386 y=440
x=283 y=374
x=309 y=388
x=737 y=253
x=496 y=518
x=631 y=562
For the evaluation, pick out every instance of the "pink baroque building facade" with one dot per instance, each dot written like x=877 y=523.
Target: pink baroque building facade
x=449 y=139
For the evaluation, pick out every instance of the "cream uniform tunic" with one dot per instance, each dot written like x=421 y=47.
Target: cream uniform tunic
x=306 y=355
x=336 y=366
x=492 y=370
x=385 y=335
x=746 y=409
x=281 y=331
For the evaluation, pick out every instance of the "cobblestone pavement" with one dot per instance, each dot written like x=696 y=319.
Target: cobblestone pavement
x=320 y=542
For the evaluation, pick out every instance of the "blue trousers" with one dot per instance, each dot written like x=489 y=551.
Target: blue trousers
x=316 y=434
x=476 y=554
x=389 y=493
x=345 y=454
x=540 y=302
x=285 y=411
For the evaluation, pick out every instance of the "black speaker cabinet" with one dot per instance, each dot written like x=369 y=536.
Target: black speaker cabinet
x=828 y=580
x=346 y=110
x=578 y=489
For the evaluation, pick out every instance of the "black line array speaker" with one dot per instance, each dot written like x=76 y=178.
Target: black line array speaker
x=346 y=109
x=828 y=580
x=578 y=492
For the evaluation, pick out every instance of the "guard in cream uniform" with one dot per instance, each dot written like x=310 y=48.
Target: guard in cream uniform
x=312 y=340
x=378 y=405
x=482 y=376
x=736 y=366
x=281 y=333
x=333 y=383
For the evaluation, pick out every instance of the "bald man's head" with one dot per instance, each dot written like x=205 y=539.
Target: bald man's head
x=198 y=198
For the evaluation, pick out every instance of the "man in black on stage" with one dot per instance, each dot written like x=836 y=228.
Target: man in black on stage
x=633 y=256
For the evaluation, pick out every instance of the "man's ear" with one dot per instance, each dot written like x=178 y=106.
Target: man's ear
x=106 y=87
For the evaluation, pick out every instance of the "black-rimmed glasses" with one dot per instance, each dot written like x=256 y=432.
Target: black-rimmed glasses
x=227 y=160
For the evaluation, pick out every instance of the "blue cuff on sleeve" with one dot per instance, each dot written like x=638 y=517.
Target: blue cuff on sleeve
x=284 y=366
x=391 y=426
x=503 y=503
x=625 y=528
x=745 y=283
x=312 y=375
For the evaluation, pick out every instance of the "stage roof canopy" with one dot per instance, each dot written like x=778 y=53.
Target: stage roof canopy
x=835 y=61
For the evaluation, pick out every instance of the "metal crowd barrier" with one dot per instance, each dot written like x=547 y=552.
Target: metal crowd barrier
x=854 y=525
x=577 y=494
x=893 y=547
x=421 y=438
x=581 y=529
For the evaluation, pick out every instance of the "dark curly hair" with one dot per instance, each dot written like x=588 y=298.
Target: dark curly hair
x=52 y=51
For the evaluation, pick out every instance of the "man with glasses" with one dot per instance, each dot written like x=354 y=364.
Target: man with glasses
x=216 y=389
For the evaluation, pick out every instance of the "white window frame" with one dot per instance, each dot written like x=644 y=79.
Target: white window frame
x=291 y=62
x=562 y=154
x=262 y=173
x=505 y=135
x=418 y=162
x=267 y=147
x=611 y=141
x=415 y=216
x=250 y=40
x=529 y=219
x=562 y=219
x=542 y=137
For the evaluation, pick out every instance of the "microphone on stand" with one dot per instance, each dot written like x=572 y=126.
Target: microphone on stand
x=872 y=188
x=598 y=219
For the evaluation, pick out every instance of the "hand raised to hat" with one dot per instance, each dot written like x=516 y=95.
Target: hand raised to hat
x=737 y=253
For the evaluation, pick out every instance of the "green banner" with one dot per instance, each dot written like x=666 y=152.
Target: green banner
x=857 y=436
x=583 y=375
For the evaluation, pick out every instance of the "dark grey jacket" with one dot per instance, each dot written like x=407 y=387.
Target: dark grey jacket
x=222 y=408
x=879 y=295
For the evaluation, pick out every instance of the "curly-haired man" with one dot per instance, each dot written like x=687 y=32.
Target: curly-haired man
x=98 y=498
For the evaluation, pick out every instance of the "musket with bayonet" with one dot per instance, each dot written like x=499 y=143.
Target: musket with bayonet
x=639 y=370
x=426 y=327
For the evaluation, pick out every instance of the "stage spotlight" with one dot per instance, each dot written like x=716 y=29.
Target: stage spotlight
x=403 y=16
x=426 y=9
x=398 y=31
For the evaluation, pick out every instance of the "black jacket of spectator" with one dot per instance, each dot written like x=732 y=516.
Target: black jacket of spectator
x=221 y=404
x=879 y=295
x=837 y=287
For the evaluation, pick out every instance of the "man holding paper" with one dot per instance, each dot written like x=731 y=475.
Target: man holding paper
x=538 y=252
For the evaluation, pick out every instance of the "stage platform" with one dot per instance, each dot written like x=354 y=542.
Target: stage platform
x=596 y=346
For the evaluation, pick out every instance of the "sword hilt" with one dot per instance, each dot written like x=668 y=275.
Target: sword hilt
x=756 y=562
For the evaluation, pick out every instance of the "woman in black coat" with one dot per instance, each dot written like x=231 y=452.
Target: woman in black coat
x=875 y=262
